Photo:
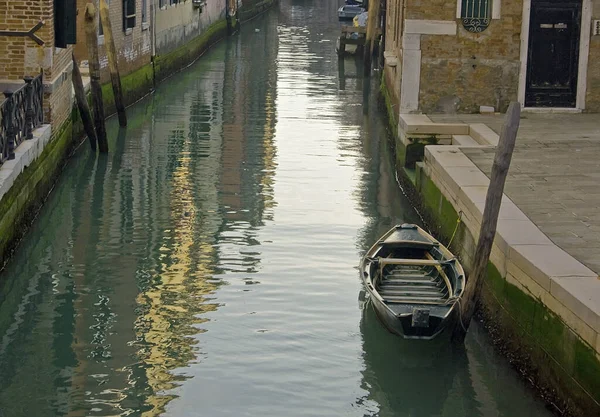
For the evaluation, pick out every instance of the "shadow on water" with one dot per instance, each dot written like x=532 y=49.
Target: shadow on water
x=406 y=378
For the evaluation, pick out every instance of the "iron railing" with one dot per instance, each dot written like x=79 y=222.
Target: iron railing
x=20 y=113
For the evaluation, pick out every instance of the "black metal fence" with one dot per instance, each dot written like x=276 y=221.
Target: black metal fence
x=21 y=112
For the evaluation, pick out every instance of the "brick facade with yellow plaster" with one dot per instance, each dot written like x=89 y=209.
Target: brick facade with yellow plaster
x=463 y=71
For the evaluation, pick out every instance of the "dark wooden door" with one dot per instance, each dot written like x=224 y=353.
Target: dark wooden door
x=553 y=54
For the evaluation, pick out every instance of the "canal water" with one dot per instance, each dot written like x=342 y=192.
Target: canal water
x=208 y=265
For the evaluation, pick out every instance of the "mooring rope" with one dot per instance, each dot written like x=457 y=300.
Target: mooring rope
x=455 y=229
x=456 y=300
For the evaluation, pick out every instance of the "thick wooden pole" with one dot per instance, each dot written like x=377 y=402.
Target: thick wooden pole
x=111 y=52
x=94 y=64
x=82 y=104
x=372 y=20
x=489 y=221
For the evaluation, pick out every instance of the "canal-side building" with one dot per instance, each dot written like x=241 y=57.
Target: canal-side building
x=181 y=28
x=458 y=55
x=130 y=22
x=34 y=41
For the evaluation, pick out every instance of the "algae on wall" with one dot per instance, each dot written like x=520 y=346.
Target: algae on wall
x=561 y=360
x=21 y=203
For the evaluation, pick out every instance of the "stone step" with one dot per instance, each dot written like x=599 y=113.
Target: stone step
x=483 y=135
x=464 y=140
x=421 y=124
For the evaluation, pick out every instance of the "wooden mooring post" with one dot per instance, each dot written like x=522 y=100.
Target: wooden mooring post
x=82 y=105
x=372 y=26
x=111 y=52
x=493 y=200
x=94 y=65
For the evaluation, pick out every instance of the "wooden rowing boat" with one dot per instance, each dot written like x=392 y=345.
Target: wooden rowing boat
x=414 y=282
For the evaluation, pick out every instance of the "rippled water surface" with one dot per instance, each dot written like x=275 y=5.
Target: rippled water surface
x=207 y=265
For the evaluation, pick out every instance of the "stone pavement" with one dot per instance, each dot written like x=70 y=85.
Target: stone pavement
x=554 y=176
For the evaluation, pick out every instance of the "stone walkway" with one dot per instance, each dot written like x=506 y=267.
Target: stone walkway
x=554 y=176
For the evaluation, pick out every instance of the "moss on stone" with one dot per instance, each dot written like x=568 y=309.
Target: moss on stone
x=168 y=64
x=248 y=11
x=562 y=361
x=415 y=151
x=519 y=304
x=389 y=107
x=400 y=150
x=495 y=281
x=135 y=85
x=587 y=369
x=19 y=205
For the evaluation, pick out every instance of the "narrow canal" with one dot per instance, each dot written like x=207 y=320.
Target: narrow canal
x=207 y=265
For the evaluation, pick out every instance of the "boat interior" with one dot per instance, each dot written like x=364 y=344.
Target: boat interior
x=414 y=272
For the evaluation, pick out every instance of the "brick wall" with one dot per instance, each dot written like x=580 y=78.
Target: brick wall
x=59 y=104
x=462 y=72
x=133 y=46
x=21 y=56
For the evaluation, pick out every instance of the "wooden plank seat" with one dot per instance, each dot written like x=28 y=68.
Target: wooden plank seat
x=413 y=281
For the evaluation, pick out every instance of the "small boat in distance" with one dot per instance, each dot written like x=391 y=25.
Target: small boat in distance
x=413 y=280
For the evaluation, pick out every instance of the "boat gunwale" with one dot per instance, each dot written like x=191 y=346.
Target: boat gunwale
x=368 y=280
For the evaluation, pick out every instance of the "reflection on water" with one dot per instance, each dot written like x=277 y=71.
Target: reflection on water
x=207 y=265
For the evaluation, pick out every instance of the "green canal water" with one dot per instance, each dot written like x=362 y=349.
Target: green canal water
x=208 y=265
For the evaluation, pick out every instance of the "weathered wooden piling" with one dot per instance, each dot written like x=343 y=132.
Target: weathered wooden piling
x=493 y=200
x=94 y=65
x=111 y=52
x=82 y=105
x=372 y=26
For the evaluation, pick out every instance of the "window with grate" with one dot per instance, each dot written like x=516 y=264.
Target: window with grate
x=476 y=14
x=128 y=14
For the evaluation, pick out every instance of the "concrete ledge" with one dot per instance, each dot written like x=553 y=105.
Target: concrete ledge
x=464 y=140
x=27 y=152
x=420 y=123
x=564 y=285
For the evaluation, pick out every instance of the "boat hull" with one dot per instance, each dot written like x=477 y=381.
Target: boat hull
x=415 y=302
x=402 y=324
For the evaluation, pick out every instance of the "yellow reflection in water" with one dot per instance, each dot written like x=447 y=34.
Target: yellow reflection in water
x=173 y=304
x=270 y=151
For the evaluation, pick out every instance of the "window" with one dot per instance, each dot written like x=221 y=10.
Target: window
x=65 y=29
x=144 y=11
x=128 y=14
x=475 y=14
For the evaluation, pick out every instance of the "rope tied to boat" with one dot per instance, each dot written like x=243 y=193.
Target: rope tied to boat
x=453 y=300
x=456 y=228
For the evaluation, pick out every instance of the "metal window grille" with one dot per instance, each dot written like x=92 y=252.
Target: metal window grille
x=476 y=14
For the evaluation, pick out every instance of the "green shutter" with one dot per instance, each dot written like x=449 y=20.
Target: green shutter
x=65 y=23
x=71 y=21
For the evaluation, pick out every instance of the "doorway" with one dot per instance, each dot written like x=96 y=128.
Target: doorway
x=553 y=54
